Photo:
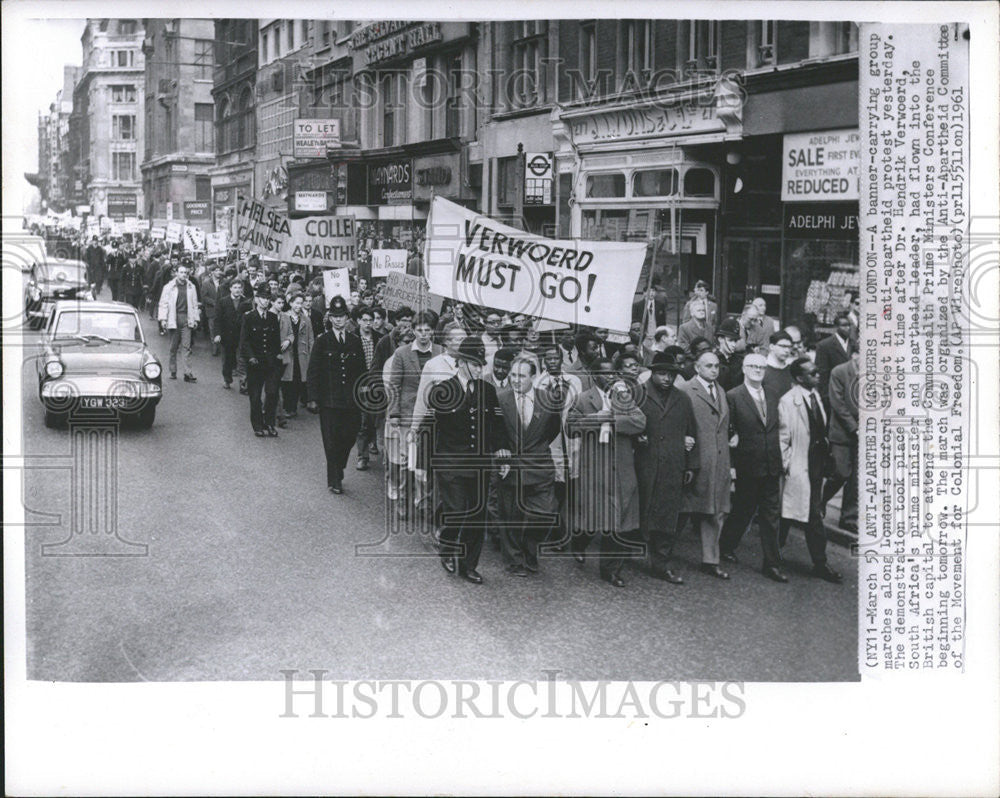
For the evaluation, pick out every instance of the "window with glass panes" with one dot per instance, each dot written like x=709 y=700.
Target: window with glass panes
x=123 y=127
x=529 y=52
x=204 y=127
x=203 y=58
x=123 y=166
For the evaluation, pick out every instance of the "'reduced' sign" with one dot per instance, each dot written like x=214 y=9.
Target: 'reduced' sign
x=821 y=166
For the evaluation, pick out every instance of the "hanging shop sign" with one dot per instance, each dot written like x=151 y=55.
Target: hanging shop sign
x=821 y=221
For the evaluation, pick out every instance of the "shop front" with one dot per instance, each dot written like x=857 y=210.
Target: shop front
x=650 y=173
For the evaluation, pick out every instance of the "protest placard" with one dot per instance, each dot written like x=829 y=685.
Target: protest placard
x=472 y=258
x=194 y=239
x=261 y=229
x=175 y=231
x=388 y=260
x=93 y=227
x=131 y=224
x=324 y=241
x=410 y=290
x=336 y=282
x=158 y=233
x=106 y=224
x=216 y=244
x=117 y=229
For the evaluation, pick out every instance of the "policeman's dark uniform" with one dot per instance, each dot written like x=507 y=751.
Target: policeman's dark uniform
x=468 y=429
x=260 y=346
x=336 y=368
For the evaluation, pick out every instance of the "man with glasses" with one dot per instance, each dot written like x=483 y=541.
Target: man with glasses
x=707 y=500
x=779 y=355
x=753 y=413
x=491 y=336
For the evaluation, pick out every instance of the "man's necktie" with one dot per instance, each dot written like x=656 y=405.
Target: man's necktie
x=711 y=392
x=761 y=407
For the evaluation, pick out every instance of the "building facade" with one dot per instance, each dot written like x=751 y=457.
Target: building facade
x=233 y=90
x=106 y=126
x=179 y=114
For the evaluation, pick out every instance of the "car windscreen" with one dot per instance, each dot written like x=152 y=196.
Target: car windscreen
x=70 y=272
x=110 y=324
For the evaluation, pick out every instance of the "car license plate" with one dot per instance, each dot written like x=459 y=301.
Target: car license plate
x=113 y=402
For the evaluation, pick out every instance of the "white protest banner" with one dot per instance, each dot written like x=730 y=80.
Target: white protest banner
x=472 y=258
x=261 y=229
x=175 y=230
x=409 y=290
x=93 y=227
x=117 y=229
x=216 y=244
x=388 y=260
x=336 y=282
x=106 y=224
x=158 y=233
x=194 y=239
x=131 y=224
x=323 y=241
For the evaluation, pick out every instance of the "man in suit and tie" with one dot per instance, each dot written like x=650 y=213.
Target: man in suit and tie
x=666 y=463
x=229 y=312
x=469 y=434
x=753 y=414
x=831 y=352
x=260 y=348
x=804 y=453
x=707 y=499
x=844 y=441
x=527 y=494
x=336 y=366
x=211 y=292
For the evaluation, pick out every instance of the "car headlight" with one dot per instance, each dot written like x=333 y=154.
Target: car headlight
x=54 y=369
x=151 y=370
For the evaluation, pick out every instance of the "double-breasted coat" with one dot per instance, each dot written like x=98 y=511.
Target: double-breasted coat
x=661 y=463
x=608 y=492
x=708 y=492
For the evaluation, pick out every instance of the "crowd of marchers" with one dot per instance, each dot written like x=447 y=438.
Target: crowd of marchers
x=488 y=428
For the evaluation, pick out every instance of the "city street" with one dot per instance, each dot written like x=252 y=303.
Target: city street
x=252 y=568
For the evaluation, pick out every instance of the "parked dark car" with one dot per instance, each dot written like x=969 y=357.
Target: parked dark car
x=93 y=357
x=53 y=280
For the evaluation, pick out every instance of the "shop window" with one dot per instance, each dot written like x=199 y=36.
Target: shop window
x=699 y=183
x=606 y=186
x=655 y=183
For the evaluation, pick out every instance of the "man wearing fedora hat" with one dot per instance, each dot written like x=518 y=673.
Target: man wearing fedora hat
x=468 y=433
x=260 y=346
x=667 y=461
x=333 y=378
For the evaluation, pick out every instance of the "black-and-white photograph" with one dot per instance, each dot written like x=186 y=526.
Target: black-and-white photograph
x=255 y=395
x=463 y=351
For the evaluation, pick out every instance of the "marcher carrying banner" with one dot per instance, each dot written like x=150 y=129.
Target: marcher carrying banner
x=475 y=259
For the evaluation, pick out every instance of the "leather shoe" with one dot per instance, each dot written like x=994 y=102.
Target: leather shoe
x=337 y=488
x=728 y=556
x=173 y=375
x=580 y=557
x=283 y=424
x=613 y=579
x=361 y=465
x=472 y=576
x=827 y=573
x=190 y=378
x=260 y=433
x=668 y=576
x=228 y=386
x=272 y=432
x=774 y=574
x=517 y=570
x=713 y=570
x=448 y=563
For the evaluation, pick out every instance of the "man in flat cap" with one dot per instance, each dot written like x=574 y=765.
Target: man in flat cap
x=260 y=346
x=468 y=433
x=333 y=378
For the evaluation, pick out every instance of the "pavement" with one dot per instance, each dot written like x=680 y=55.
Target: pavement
x=253 y=568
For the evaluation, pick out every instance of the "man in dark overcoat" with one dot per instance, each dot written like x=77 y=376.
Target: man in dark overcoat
x=666 y=462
